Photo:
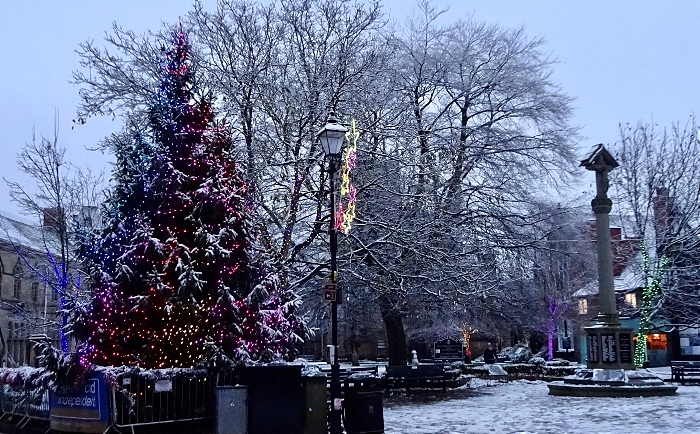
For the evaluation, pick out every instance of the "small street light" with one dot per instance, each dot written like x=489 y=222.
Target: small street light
x=331 y=137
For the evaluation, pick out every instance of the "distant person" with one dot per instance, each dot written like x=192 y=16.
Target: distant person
x=490 y=354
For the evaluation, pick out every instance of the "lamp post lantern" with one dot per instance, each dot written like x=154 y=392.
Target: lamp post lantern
x=331 y=137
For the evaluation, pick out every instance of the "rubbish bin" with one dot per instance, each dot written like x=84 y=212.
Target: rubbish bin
x=316 y=412
x=275 y=399
x=363 y=409
x=231 y=410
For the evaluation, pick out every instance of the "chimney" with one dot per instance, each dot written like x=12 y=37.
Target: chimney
x=615 y=234
x=53 y=219
x=662 y=204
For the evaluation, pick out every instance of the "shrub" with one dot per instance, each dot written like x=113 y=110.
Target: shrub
x=538 y=361
x=559 y=371
x=558 y=362
x=518 y=354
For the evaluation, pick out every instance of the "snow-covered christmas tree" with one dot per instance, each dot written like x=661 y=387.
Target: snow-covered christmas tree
x=177 y=275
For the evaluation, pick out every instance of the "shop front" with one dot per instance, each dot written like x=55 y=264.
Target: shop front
x=657 y=349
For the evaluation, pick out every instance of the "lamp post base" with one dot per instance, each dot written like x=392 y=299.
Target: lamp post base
x=336 y=402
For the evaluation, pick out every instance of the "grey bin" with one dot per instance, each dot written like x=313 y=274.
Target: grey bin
x=316 y=416
x=232 y=410
x=275 y=399
x=363 y=407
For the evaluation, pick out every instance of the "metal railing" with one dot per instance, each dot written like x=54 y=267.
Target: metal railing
x=135 y=399
x=20 y=406
x=140 y=400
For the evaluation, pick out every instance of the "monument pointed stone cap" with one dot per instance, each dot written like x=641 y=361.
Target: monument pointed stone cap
x=600 y=159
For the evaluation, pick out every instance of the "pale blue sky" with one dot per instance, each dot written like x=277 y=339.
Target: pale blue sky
x=624 y=61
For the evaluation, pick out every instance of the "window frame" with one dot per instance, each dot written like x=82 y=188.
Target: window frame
x=17 y=288
x=583 y=306
x=35 y=291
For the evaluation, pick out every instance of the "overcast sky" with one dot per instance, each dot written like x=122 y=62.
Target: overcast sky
x=623 y=61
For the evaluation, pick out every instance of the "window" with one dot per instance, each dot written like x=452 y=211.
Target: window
x=631 y=298
x=690 y=341
x=17 y=345
x=583 y=306
x=17 y=272
x=656 y=341
x=18 y=288
x=35 y=291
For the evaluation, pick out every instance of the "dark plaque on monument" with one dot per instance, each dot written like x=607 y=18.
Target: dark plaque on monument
x=625 y=348
x=593 y=348
x=608 y=349
x=447 y=348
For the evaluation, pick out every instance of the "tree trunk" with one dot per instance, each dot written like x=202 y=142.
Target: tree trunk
x=396 y=338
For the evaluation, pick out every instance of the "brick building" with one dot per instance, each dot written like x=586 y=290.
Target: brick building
x=628 y=283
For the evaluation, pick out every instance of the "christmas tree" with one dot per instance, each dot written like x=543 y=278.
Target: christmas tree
x=177 y=275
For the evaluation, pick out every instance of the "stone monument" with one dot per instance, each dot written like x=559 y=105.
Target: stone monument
x=609 y=344
x=610 y=367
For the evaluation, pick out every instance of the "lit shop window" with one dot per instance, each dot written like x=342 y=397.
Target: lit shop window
x=656 y=341
x=631 y=298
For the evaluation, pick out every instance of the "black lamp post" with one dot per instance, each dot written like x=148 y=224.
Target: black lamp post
x=331 y=137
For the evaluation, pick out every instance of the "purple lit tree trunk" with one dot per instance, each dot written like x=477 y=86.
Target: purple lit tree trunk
x=57 y=276
x=554 y=309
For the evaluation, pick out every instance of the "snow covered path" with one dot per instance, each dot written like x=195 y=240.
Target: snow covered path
x=525 y=407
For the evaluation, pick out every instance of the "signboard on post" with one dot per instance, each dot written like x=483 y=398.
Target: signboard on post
x=84 y=410
x=447 y=348
x=330 y=292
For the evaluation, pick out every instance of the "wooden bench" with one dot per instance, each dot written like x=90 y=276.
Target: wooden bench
x=424 y=376
x=685 y=372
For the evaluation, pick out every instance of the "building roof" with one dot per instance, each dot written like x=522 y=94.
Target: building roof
x=631 y=277
x=590 y=288
x=626 y=255
x=16 y=233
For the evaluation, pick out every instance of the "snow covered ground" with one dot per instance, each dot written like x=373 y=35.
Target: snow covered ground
x=525 y=407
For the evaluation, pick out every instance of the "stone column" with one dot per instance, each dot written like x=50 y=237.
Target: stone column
x=601 y=204
x=609 y=345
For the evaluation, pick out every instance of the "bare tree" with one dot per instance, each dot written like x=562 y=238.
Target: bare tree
x=63 y=199
x=278 y=71
x=658 y=190
x=477 y=130
x=563 y=262
x=462 y=127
